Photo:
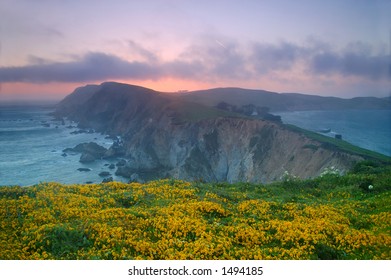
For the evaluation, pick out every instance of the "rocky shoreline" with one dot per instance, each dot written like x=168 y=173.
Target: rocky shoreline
x=111 y=159
x=91 y=152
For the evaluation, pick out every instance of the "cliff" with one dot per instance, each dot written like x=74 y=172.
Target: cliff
x=228 y=149
x=166 y=136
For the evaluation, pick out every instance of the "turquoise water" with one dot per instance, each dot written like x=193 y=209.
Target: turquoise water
x=31 y=144
x=369 y=129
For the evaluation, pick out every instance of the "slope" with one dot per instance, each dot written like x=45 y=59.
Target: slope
x=283 y=101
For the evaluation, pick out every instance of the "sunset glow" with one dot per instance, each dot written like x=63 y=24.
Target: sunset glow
x=49 y=48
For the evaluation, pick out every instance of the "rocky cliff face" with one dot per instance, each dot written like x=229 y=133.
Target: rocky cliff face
x=227 y=149
x=161 y=139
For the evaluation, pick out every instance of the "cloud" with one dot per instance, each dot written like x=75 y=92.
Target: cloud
x=351 y=63
x=184 y=69
x=202 y=62
x=356 y=59
x=91 y=67
x=227 y=59
x=142 y=52
x=210 y=60
x=218 y=58
x=268 y=57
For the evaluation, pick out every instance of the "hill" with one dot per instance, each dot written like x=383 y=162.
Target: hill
x=284 y=101
x=117 y=108
x=166 y=136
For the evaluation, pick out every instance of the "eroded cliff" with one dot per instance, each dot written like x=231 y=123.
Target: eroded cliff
x=164 y=137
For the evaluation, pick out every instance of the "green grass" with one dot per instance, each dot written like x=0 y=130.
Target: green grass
x=316 y=190
x=193 y=112
x=340 y=145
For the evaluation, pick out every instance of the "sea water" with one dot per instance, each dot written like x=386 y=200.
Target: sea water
x=32 y=144
x=369 y=129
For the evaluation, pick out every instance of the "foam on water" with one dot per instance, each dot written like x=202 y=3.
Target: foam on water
x=31 y=145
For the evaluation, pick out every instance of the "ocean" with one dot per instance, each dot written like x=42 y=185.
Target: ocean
x=369 y=129
x=32 y=142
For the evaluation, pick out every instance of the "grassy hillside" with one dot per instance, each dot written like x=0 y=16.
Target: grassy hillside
x=236 y=96
x=284 y=101
x=193 y=112
x=338 y=144
x=330 y=217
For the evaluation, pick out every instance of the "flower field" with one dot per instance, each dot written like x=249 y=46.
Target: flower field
x=330 y=217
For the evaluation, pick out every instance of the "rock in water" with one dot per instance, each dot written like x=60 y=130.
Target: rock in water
x=106 y=180
x=87 y=157
x=89 y=151
x=104 y=174
x=122 y=162
x=82 y=169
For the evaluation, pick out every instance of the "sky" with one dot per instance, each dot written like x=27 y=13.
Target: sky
x=329 y=48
